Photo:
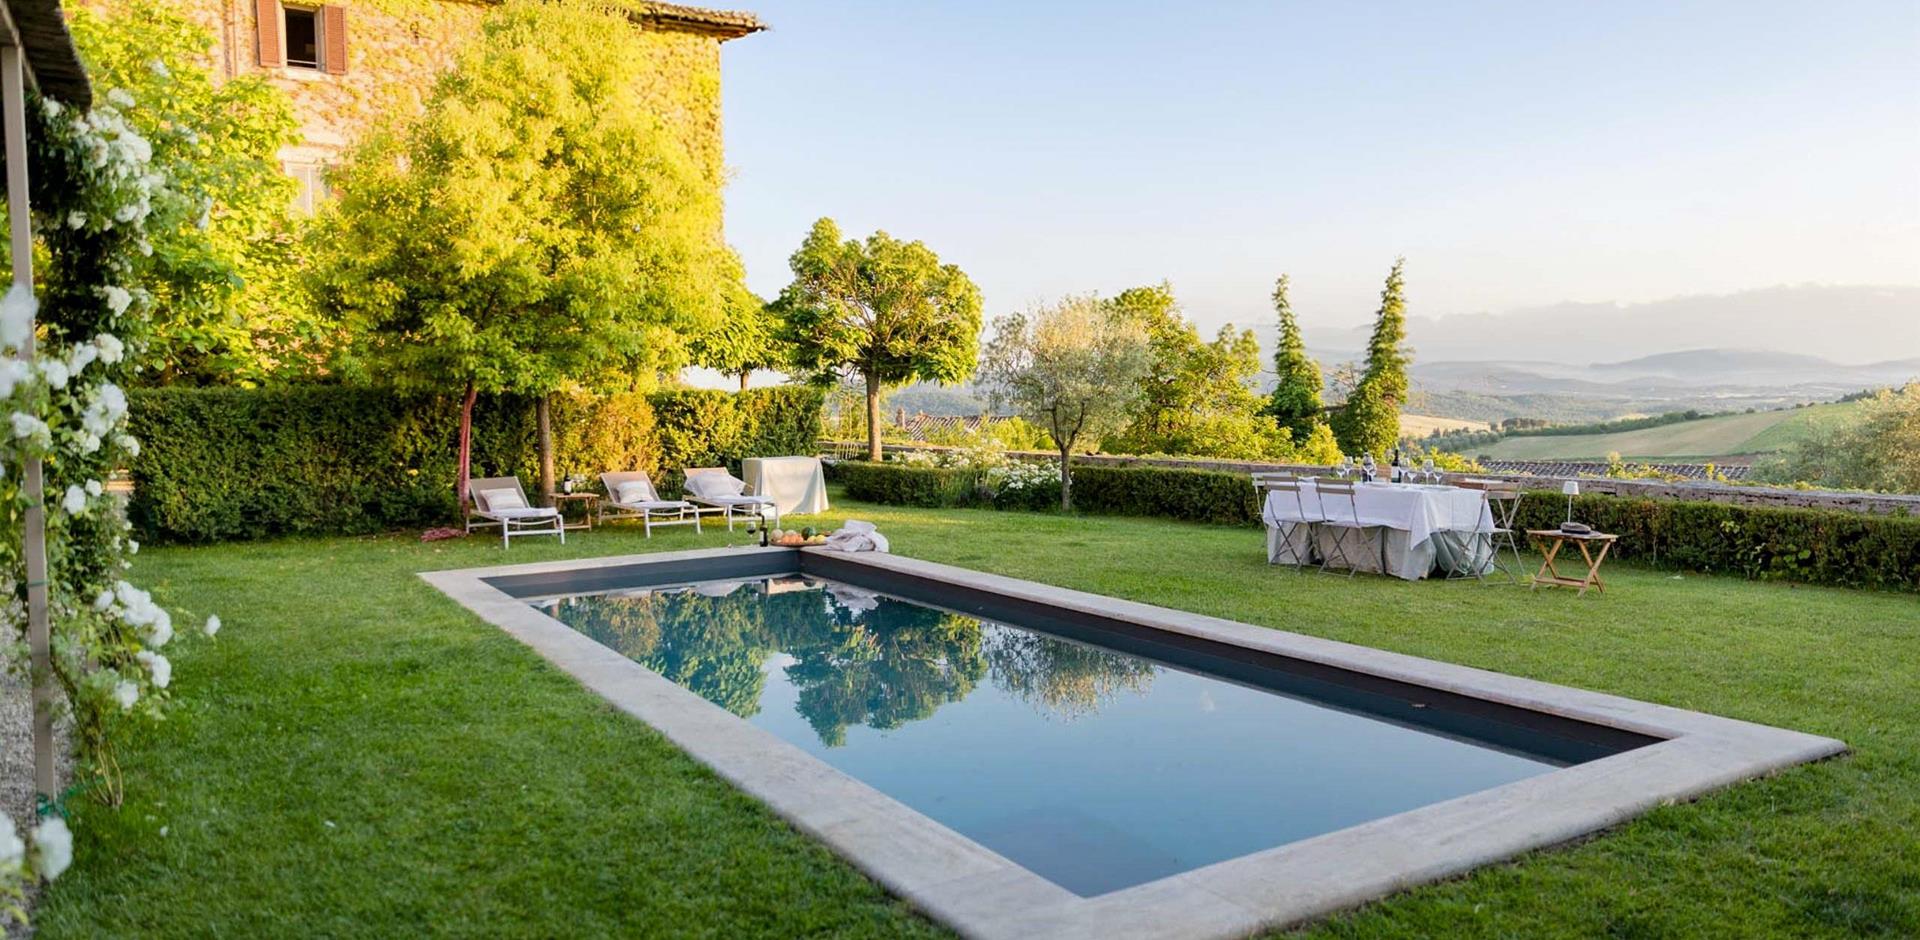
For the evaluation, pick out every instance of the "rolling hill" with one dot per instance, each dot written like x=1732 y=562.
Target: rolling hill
x=1727 y=435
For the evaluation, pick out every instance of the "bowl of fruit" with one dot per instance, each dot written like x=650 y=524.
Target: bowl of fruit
x=796 y=537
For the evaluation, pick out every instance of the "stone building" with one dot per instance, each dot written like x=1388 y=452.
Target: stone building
x=345 y=64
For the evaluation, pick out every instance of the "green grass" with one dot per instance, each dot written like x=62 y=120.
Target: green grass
x=357 y=755
x=1718 y=436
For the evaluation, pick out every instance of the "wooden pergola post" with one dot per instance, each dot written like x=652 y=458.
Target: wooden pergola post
x=33 y=531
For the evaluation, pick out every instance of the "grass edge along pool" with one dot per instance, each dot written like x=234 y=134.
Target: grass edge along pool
x=1679 y=754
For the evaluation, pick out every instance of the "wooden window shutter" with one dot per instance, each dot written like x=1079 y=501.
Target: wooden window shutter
x=333 y=34
x=266 y=28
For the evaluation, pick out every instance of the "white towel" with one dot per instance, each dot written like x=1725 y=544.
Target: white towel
x=856 y=536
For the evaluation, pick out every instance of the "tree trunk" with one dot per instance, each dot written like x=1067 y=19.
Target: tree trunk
x=543 y=413
x=466 y=444
x=744 y=376
x=1066 y=481
x=873 y=416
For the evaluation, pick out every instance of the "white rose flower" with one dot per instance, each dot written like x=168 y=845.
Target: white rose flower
x=110 y=347
x=83 y=355
x=160 y=68
x=126 y=693
x=12 y=850
x=76 y=220
x=55 y=372
x=75 y=501
x=95 y=487
x=158 y=665
x=213 y=624
x=87 y=442
x=130 y=444
x=162 y=628
x=26 y=425
x=120 y=98
x=117 y=298
x=52 y=846
x=16 y=315
x=103 y=600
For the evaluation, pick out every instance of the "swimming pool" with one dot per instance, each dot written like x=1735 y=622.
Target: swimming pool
x=1071 y=757
x=1023 y=760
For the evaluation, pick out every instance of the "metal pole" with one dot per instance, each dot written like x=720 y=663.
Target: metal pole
x=33 y=533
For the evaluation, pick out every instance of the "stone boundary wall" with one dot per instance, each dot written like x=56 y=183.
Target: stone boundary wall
x=1587 y=468
x=1778 y=497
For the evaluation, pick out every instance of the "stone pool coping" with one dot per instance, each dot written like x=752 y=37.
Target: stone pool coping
x=981 y=894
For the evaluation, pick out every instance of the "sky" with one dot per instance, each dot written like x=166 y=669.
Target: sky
x=1516 y=153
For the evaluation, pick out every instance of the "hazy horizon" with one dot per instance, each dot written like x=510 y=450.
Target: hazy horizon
x=1519 y=156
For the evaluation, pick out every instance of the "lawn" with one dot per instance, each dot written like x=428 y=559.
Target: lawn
x=1716 y=436
x=357 y=755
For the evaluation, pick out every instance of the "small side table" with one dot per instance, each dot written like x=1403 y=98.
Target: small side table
x=1553 y=540
x=588 y=503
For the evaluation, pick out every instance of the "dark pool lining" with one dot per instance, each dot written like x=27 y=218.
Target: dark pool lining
x=1522 y=731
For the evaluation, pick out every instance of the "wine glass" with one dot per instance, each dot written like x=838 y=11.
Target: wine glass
x=1366 y=463
x=1433 y=476
x=1344 y=467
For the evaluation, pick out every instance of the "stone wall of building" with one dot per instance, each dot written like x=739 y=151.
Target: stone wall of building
x=395 y=52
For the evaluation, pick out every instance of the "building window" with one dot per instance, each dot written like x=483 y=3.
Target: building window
x=312 y=178
x=303 y=37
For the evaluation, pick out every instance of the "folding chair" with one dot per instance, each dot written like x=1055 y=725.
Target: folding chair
x=1340 y=511
x=1280 y=535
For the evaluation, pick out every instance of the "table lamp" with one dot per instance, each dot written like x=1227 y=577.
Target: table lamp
x=1572 y=489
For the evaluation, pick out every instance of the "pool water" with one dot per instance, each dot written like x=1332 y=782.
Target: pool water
x=1095 y=768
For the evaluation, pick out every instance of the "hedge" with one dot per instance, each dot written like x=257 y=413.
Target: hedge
x=222 y=463
x=1808 y=545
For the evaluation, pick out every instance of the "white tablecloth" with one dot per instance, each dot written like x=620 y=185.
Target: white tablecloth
x=1408 y=517
x=796 y=484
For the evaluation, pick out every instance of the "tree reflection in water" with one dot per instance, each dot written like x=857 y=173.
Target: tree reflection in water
x=859 y=658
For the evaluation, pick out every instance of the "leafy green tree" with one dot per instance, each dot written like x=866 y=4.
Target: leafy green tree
x=1197 y=396
x=223 y=278
x=539 y=227
x=885 y=310
x=1878 y=448
x=746 y=341
x=1295 y=401
x=1369 y=423
x=884 y=667
x=1074 y=368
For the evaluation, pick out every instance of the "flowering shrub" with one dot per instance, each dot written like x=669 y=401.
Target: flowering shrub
x=1024 y=485
x=90 y=175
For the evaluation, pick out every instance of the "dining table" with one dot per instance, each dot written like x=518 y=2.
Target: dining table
x=1416 y=529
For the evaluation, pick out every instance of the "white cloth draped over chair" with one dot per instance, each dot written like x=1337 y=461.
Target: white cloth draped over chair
x=1408 y=515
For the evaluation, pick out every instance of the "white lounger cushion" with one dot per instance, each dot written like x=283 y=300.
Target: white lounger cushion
x=715 y=486
x=633 y=493
x=738 y=500
x=522 y=512
x=654 y=504
x=501 y=500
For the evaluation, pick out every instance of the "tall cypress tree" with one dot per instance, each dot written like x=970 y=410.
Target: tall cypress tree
x=1295 y=403
x=1370 y=421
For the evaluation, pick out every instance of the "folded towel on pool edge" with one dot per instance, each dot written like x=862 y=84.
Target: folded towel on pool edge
x=856 y=536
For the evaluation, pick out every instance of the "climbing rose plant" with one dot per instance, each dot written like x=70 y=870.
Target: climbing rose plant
x=98 y=200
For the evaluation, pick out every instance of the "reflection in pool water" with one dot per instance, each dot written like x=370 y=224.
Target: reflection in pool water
x=1095 y=768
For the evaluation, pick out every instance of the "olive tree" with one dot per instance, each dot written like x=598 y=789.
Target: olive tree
x=885 y=310
x=1075 y=368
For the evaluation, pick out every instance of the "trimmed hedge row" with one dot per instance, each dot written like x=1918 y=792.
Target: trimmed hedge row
x=223 y=463
x=1808 y=545
x=910 y=485
x=1814 y=546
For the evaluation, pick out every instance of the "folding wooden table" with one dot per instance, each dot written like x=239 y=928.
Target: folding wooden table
x=1553 y=540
